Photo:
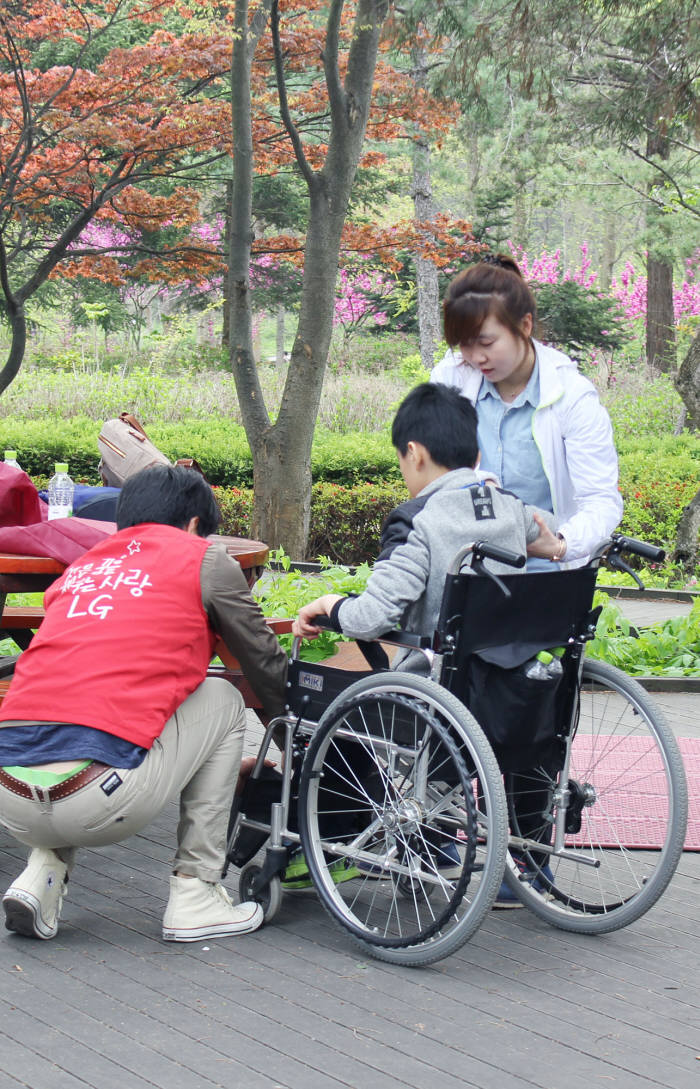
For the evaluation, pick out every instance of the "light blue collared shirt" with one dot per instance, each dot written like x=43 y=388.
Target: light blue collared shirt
x=508 y=447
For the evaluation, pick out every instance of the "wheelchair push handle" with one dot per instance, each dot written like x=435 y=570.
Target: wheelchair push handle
x=620 y=543
x=483 y=550
x=637 y=548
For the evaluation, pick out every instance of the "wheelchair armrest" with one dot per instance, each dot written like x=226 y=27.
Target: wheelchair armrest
x=406 y=639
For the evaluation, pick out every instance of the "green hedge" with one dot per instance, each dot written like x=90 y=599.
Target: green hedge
x=219 y=446
x=357 y=480
x=345 y=522
x=657 y=480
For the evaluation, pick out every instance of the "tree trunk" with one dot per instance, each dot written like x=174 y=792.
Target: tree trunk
x=18 y=325
x=661 y=326
x=279 y=323
x=282 y=454
x=282 y=451
x=661 y=329
x=688 y=385
x=686 y=552
x=226 y=294
x=424 y=209
x=609 y=254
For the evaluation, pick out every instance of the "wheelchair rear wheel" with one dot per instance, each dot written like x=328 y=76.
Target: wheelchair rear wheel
x=389 y=786
x=626 y=817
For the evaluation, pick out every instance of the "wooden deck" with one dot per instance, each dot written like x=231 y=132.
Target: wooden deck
x=108 y=1005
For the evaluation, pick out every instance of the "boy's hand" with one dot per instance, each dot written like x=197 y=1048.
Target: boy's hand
x=546 y=546
x=303 y=626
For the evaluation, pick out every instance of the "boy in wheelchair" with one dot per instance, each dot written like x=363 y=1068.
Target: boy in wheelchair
x=435 y=435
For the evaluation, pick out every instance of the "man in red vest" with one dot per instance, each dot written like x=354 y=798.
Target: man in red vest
x=109 y=714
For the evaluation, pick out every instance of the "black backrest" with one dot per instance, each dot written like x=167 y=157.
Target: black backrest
x=544 y=610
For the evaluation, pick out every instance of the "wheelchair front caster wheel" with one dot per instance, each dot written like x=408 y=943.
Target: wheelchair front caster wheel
x=269 y=896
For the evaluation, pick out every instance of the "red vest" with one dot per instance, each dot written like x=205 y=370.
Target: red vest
x=125 y=638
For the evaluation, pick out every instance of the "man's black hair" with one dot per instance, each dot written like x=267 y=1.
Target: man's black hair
x=443 y=421
x=170 y=495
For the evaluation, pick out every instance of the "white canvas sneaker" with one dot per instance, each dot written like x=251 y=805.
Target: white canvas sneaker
x=203 y=909
x=33 y=901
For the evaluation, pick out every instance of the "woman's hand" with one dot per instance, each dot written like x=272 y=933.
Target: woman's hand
x=303 y=626
x=546 y=546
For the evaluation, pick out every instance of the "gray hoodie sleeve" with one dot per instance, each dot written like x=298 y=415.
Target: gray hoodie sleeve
x=394 y=584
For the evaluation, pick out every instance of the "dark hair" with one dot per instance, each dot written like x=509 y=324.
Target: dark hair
x=170 y=495
x=493 y=286
x=442 y=420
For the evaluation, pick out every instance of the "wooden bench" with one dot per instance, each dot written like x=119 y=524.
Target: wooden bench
x=19 y=622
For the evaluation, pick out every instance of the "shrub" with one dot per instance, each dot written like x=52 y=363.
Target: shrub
x=220 y=447
x=345 y=522
x=653 y=408
x=574 y=317
x=657 y=481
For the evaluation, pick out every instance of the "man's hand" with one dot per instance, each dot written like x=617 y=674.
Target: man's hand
x=303 y=625
x=546 y=546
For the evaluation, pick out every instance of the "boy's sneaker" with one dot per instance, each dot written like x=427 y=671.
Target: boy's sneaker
x=449 y=861
x=33 y=901
x=296 y=877
x=203 y=909
x=506 y=898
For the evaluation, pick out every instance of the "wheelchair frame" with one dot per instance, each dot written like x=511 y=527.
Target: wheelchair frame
x=433 y=793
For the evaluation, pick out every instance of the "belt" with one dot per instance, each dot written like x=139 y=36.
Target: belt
x=58 y=790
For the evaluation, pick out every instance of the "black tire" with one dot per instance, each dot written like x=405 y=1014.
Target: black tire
x=388 y=793
x=624 y=763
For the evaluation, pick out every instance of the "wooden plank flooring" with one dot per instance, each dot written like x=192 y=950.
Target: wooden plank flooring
x=108 y=1005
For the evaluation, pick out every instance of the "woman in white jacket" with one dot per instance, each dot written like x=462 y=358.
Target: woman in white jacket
x=542 y=429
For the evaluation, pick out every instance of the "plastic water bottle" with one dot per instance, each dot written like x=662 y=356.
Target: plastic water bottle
x=60 y=493
x=11 y=459
x=545 y=666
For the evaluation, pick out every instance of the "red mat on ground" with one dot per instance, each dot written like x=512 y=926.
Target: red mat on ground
x=631 y=768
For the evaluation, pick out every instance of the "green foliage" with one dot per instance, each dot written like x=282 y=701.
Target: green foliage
x=8 y=646
x=651 y=410
x=219 y=446
x=671 y=649
x=657 y=481
x=236 y=507
x=412 y=369
x=355 y=457
x=282 y=593
x=574 y=317
x=373 y=354
x=345 y=522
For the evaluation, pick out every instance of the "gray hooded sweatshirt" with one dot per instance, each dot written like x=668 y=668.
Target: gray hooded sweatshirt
x=420 y=540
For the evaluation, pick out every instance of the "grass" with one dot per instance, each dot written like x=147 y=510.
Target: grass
x=352 y=400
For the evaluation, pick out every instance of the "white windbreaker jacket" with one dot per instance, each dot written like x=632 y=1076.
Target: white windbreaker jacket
x=574 y=436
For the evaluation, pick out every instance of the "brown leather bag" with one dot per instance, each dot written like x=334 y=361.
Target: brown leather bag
x=125 y=449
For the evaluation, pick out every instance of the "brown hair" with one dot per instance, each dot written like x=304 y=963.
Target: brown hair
x=493 y=286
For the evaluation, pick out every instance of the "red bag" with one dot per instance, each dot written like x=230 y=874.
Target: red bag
x=63 y=539
x=20 y=504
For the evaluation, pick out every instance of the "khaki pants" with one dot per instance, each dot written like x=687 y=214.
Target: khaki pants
x=196 y=756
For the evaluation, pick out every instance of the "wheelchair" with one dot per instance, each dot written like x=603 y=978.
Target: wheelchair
x=412 y=797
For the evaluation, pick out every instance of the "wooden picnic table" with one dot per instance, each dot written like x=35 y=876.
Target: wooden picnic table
x=29 y=574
